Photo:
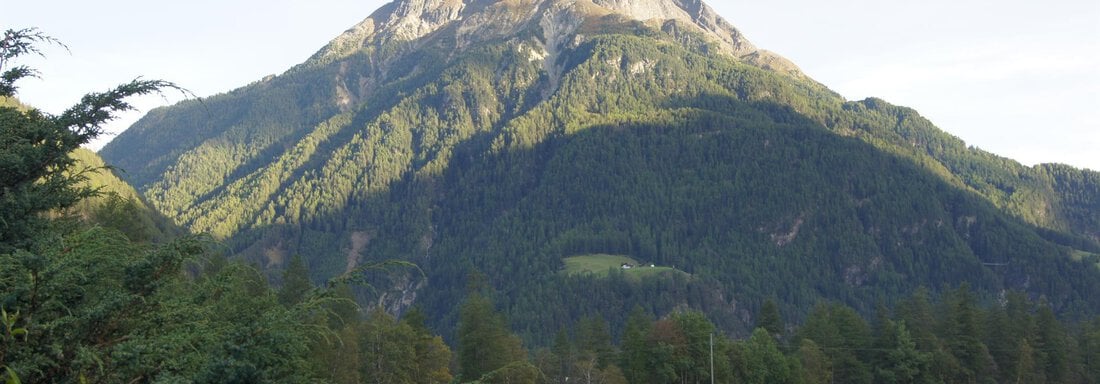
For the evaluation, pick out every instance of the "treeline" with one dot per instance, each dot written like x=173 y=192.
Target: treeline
x=85 y=304
x=946 y=339
x=89 y=297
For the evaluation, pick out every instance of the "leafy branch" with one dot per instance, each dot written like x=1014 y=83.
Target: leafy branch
x=18 y=43
x=11 y=334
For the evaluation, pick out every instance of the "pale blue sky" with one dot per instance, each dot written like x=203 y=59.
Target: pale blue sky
x=1018 y=78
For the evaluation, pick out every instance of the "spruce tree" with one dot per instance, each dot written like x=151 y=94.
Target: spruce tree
x=962 y=332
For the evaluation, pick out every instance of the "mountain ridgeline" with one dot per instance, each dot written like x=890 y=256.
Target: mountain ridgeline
x=505 y=136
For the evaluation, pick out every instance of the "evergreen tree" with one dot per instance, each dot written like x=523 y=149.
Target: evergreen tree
x=336 y=359
x=962 y=332
x=697 y=331
x=387 y=353
x=295 y=282
x=433 y=356
x=1053 y=341
x=901 y=361
x=1027 y=370
x=36 y=173
x=769 y=319
x=594 y=337
x=666 y=356
x=814 y=364
x=635 y=347
x=485 y=344
x=564 y=355
x=1090 y=351
x=845 y=337
x=764 y=362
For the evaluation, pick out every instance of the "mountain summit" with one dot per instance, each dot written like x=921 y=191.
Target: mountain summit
x=529 y=142
x=556 y=22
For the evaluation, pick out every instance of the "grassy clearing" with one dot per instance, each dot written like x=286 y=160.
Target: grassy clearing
x=1082 y=255
x=600 y=264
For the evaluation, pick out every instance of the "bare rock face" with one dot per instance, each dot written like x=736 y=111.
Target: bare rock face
x=413 y=19
x=555 y=20
x=690 y=12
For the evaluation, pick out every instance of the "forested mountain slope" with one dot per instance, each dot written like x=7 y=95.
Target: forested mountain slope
x=118 y=205
x=502 y=137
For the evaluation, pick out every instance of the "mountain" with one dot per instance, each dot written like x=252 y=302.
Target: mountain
x=118 y=204
x=488 y=141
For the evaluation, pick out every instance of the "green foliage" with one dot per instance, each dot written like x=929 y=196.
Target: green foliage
x=963 y=342
x=36 y=173
x=588 y=357
x=727 y=172
x=813 y=363
x=18 y=43
x=630 y=142
x=901 y=361
x=769 y=319
x=12 y=334
x=486 y=348
x=764 y=363
x=674 y=349
x=35 y=152
x=633 y=358
x=116 y=204
x=594 y=338
x=113 y=299
x=395 y=352
x=847 y=338
x=81 y=302
x=295 y=282
x=660 y=351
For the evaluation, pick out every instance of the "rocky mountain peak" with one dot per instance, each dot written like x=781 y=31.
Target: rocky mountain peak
x=477 y=20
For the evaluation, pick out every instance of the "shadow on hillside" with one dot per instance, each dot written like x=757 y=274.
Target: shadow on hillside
x=754 y=199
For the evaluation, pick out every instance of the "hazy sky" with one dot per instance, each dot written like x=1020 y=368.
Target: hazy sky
x=1017 y=78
